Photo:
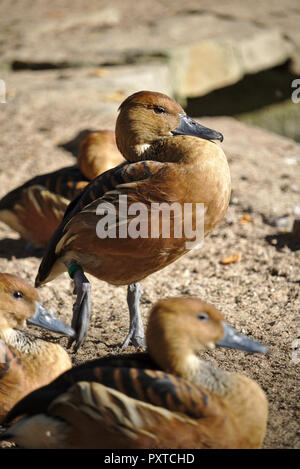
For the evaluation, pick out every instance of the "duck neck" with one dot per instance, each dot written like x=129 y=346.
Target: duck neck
x=181 y=360
x=142 y=151
x=203 y=373
x=163 y=150
x=41 y=360
x=21 y=341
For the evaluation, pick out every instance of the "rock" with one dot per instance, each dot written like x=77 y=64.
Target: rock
x=200 y=67
x=282 y=118
x=231 y=259
x=292 y=160
x=279 y=222
x=90 y=91
x=296 y=210
x=244 y=219
x=190 y=76
x=231 y=216
x=203 y=51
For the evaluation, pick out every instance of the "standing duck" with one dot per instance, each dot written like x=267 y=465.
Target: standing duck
x=170 y=399
x=171 y=159
x=37 y=207
x=26 y=362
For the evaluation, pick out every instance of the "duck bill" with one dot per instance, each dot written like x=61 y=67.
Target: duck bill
x=188 y=126
x=46 y=319
x=235 y=339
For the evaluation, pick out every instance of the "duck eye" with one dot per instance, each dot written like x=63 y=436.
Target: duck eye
x=203 y=316
x=18 y=295
x=159 y=110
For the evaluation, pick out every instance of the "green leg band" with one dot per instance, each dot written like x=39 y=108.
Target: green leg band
x=72 y=269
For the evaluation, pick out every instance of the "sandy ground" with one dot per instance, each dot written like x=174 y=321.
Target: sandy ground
x=258 y=295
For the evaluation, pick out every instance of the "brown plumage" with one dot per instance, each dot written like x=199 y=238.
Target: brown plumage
x=170 y=159
x=98 y=152
x=26 y=362
x=37 y=207
x=170 y=399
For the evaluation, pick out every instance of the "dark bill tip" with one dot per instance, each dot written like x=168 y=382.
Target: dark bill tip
x=189 y=126
x=235 y=339
x=46 y=319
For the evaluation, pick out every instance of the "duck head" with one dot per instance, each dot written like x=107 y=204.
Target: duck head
x=147 y=117
x=19 y=303
x=179 y=328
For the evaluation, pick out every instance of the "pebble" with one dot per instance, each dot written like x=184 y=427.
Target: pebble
x=280 y=222
x=234 y=200
x=296 y=210
x=292 y=160
x=231 y=259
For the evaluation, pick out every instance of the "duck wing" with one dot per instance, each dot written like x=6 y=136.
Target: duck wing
x=124 y=179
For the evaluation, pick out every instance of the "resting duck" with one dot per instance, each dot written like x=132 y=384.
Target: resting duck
x=37 y=207
x=172 y=399
x=98 y=152
x=26 y=362
x=170 y=159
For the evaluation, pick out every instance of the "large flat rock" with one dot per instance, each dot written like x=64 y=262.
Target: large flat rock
x=204 y=50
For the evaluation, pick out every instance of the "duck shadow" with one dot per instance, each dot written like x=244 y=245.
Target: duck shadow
x=279 y=241
x=19 y=249
x=72 y=146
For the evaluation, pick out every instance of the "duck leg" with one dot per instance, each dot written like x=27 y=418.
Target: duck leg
x=82 y=305
x=136 y=330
